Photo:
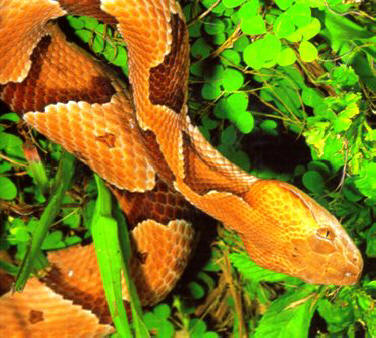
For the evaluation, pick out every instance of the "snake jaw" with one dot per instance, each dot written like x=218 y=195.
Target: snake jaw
x=292 y=234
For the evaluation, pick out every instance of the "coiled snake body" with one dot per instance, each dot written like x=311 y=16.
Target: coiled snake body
x=154 y=159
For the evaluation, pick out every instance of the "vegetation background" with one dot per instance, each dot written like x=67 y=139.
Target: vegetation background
x=285 y=89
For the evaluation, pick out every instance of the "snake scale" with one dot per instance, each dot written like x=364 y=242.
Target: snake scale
x=157 y=164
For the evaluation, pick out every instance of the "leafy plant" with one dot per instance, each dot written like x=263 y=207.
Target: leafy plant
x=261 y=73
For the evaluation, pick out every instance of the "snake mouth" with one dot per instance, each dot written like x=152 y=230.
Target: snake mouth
x=344 y=274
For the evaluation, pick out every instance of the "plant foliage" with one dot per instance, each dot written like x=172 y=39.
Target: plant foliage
x=262 y=73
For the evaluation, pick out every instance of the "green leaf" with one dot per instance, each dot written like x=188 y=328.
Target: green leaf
x=230 y=56
x=232 y=3
x=241 y=159
x=288 y=316
x=342 y=30
x=228 y=136
x=89 y=22
x=245 y=121
x=311 y=30
x=13 y=117
x=210 y=91
x=344 y=76
x=84 y=35
x=311 y=97
x=162 y=311
x=232 y=79
x=195 y=30
x=366 y=181
x=11 y=144
x=196 y=290
x=371 y=241
x=299 y=14
x=286 y=57
x=283 y=26
x=157 y=321
x=237 y=102
x=75 y=23
x=255 y=273
x=121 y=57
x=307 y=51
x=263 y=52
x=314 y=182
x=200 y=49
x=214 y=27
x=8 y=190
x=269 y=126
x=54 y=240
x=284 y=4
x=253 y=26
x=337 y=316
x=249 y=9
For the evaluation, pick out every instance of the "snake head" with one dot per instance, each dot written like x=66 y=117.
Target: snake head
x=292 y=234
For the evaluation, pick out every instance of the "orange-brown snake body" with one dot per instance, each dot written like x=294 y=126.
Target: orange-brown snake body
x=157 y=163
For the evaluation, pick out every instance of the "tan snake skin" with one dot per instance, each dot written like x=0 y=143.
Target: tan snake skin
x=155 y=160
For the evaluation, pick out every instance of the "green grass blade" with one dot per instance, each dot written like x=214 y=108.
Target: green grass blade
x=61 y=183
x=139 y=326
x=107 y=247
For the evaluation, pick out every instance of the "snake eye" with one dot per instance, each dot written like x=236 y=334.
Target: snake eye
x=325 y=233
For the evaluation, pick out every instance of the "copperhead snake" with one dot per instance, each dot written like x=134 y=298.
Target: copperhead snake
x=157 y=163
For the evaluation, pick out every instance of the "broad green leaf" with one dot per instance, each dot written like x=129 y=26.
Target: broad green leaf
x=337 y=316
x=263 y=52
x=284 y=4
x=13 y=117
x=308 y=51
x=253 y=272
x=253 y=26
x=196 y=290
x=232 y=79
x=11 y=144
x=341 y=30
x=230 y=56
x=245 y=121
x=8 y=190
x=157 y=321
x=237 y=102
x=232 y=3
x=311 y=30
x=286 y=57
x=218 y=39
x=84 y=34
x=195 y=29
x=200 y=49
x=283 y=26
x=210 y=91
x=269 y=126
x=89 y=22
x=300 y=14
x=249 y=9
x=214 y=27
x=314 y=182
x=228 y=136
x=121 y=57
x=75 y=22
x=53 y=240
x=288 y=316
x=311 y=97
x=366 y=181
